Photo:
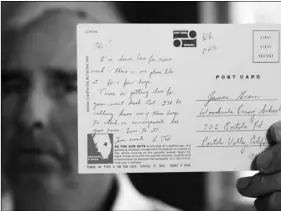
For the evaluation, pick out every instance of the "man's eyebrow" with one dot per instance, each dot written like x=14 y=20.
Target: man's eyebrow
x=61 y=74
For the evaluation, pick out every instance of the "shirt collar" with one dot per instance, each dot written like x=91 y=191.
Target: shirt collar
x=128 y=198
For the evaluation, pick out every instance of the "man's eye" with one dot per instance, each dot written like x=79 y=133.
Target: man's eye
x=14 y=86
x=69 y=86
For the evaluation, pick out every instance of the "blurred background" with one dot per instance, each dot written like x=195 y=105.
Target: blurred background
x=202 y=191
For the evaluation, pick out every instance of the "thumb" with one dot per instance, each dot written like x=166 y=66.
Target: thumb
x=275 y=132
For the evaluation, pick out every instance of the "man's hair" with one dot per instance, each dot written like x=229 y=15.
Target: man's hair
x=11 y=32
x=92 y=12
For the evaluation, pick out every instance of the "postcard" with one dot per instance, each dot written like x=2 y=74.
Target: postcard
x=176 y=97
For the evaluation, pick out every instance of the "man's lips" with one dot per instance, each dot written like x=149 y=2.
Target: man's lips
x=35 y=161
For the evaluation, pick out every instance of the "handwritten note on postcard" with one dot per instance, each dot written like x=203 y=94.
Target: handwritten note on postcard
x=176 y=98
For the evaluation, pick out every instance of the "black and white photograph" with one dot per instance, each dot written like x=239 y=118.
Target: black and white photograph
x=140 y=105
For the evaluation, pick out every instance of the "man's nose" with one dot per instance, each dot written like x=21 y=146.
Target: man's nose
x=35 y=110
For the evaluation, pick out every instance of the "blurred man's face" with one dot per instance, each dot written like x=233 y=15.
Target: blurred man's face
x=39 y=119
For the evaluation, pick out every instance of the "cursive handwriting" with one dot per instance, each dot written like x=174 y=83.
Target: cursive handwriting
x=245 y=96
x=135 y=101
x=213 y=97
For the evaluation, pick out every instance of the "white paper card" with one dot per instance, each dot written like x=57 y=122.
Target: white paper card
x=175 y=97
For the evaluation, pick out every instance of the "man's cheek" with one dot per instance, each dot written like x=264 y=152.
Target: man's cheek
x=8 y=129
x=4 y=150
x=71 y=99
x=66 y=125
x=8 y=112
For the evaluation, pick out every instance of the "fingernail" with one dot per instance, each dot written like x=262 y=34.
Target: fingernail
x=243 y=183
x=264 y=160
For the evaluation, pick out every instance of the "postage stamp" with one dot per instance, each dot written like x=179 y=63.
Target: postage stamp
x=266 y=46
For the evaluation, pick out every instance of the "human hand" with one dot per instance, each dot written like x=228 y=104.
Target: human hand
x=266 y=185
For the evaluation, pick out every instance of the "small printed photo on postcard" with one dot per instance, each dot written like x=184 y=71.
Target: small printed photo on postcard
x=100 y=148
